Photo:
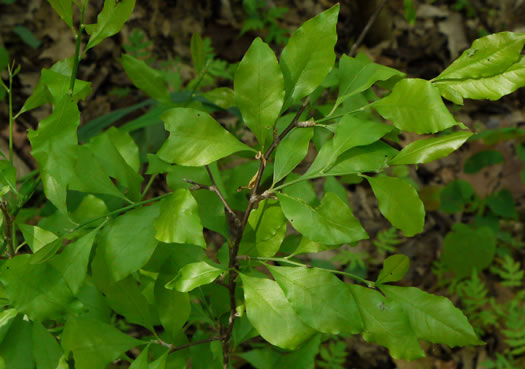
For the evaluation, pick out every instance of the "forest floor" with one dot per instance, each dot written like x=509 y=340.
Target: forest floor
x=441 y=30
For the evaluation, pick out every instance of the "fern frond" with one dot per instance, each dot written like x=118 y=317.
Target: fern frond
x=387 y=240
x=510 y=271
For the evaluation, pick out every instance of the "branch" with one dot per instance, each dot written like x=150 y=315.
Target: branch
x=238 y=232
x=367 y=28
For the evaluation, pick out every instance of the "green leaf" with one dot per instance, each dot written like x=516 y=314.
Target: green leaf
x=394 y=269
x=331 y=223
x=415 y=105
x=179 y=221
x=358 y=75
x=64 y=9
x=265 y=230
x=271 y=314
x=94 y=344
x=128 y=242
x=194 y=275
x=109 y=21
x=126 y=298
x=37 y=290
x=146 y=79
x=360 y=159
x=309 y=55
x=58 y=84
x=433 y=318
x=17 y=351
x=53 y=147
x=198 y=54
x=27 y=36
x=394 y=194
x=224 y=97
x=502 y=204
x=291 y=151
x=350 y=132
x=46 y=350
x=492 y=87
x=36 y=237
x=6 y=319
x=141 y=362
x=172 y=306
x=8 y=175
x=320 y=299
x=91 y=176
x=72 y=263
x=259 y=89
x=466 y=249
x=90 y=208
x=385 y=323
x=196 y=138
x=481 y=160
x=427 y=150
x=456 y=195
x=488 y=56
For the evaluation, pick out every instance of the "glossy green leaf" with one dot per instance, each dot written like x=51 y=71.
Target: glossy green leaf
x=466 y=249
x=488 y=56
x=94 y=344
x=141 y=362
x=109 y=21
x=350 y=132
x=17 y=351
x=64 y=9
x=128 y=242
x=320 y=299
x=172 y=306
x=265 y=230
x=36 y=237
x=259 y=89
x=386 y=323
x=331 y=223
x=46 y=350
x=362 y=159
x=394 y=194
x=357 y=75
x=37 y=290
x=179 y=221
x=47 y=252
x=502 y=204
x=433 y=318
x=194 y=275
x=271 y=314
x=394 y=269
x=429 y=149
x=6 y=319
x=309 y=55
x=72 y=263
x=90 y=208
x=415 y=105
x=196 y=138
x=146 y=79
x=53 y=146
x=481 y=160
x=223 y=97
x=492 y=87
x=291 y=151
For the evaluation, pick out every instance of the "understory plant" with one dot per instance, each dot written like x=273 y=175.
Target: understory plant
x=95 y=269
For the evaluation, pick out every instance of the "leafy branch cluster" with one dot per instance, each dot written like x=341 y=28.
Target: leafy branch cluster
x=106 y=260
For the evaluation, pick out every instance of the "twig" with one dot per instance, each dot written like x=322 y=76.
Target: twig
x=174 y=348
x=237 y=234
x=367 y=28
x=8 y=221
